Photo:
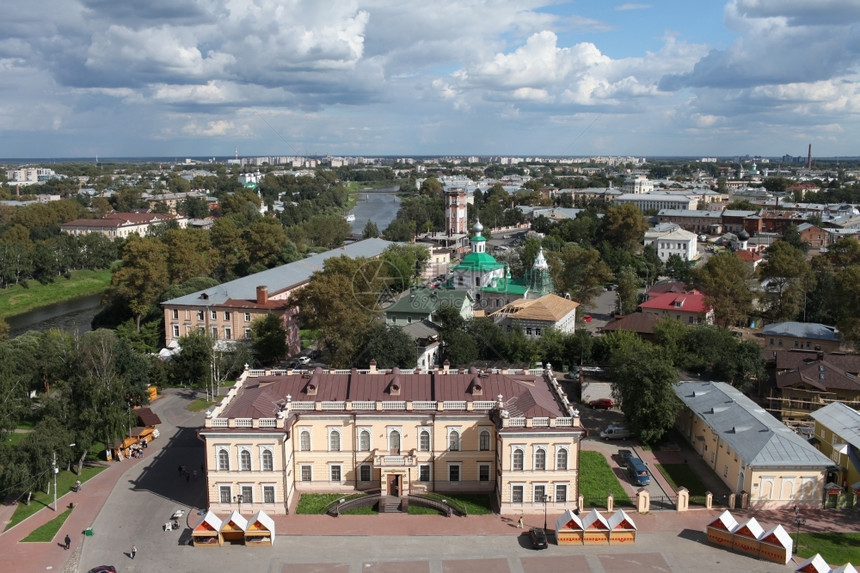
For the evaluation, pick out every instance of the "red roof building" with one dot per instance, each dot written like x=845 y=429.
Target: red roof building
x=688 y=307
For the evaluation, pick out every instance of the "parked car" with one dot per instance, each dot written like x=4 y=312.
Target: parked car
x=587 y=318
x=103 y=569
x=615 y=432
x=637 y=472
x=602 y=404
x=538 y=538
x=304 y=360
x=625 y=456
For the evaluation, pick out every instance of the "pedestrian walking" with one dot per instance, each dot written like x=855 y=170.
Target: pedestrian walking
x=520 y=523
x=68 y=541
x=77 y=485
x=133 y=551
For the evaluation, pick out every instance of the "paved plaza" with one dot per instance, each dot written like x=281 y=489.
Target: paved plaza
x=129 y=503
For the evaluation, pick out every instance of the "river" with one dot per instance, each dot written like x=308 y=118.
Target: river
x=70 y=315
x=377 y=205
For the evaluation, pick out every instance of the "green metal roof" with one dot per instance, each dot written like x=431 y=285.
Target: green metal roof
x=427 y=301
x=479 y=262
x=509 y=286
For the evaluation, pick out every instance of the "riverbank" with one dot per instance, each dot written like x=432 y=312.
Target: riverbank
x=17 y=299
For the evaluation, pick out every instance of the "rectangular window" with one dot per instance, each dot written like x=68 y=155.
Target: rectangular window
x=175 y=314
x=307 y=473
x=483 y=472
x=268 y=494
x=225 y=494
x=539 y=493
x=247 y=494
x=517 y=494
x=424 y=473
x=247 y=333
x=176 y=330
x=334 y=472
x=199 y=315
x=214 y=315
x=247 y=317
x=454 y=472
x=226 y=315
x=364 y=473
x=560 y=492
x=725 y=471
x=214 y=332
x=228 y=334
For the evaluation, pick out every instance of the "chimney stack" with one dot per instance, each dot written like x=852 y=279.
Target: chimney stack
x=262 y=294
x=809 y=157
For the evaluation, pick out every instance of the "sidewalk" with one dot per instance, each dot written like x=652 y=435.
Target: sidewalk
x=88 y=502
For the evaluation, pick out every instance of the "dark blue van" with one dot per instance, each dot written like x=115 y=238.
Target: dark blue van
x=637 y=472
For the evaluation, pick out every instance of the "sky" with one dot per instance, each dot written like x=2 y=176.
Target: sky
x=138 y=78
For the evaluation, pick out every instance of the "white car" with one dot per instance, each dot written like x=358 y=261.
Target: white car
x=304 y=360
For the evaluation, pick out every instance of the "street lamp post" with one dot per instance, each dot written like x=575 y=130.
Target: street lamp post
x=797 y=522
x=239 y=502
x=55 y=470
x=545 y=499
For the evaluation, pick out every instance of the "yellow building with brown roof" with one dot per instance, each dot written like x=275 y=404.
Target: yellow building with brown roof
x=392 y=434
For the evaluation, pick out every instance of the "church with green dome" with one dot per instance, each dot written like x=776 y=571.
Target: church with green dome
x=489 y=282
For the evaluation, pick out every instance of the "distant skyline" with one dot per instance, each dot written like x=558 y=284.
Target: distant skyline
x=86 y=78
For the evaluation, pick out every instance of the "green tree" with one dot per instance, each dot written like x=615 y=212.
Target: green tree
x=143 y=275
x=624 y=227
x=389 y=346
x=190 y=366
x=788 y=277
x=579 y=271
x=724 y=280
x=643 y=383
x=189 y=254
x=678 y=268
x=627 y=293
x=370 y=230
x=269 y=338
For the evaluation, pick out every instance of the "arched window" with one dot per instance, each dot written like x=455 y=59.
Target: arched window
x=245 y=460
x=540 y=459
x=268 y=461
x=394 y=441
x=305 y=441
x=517 y=460
x=424 y=441
x=454 y=441
x=334 y=441
x=223 y=461
x=364 y=441
x=561 y=459
x=484 y=441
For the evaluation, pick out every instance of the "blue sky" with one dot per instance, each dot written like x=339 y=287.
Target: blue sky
x=82 y=78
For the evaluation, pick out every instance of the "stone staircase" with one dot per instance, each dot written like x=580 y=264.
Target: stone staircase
x=390 y=504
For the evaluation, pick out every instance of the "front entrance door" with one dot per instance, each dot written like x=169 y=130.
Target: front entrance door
x=394 y=485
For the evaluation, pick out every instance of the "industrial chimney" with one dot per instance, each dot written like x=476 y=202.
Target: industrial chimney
x=809 y=157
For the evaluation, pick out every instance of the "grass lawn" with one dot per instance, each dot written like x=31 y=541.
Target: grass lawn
x=16 y=299
x=316 y=503
x=47 y=532
x=680 y=475
x=65 y=483
x=201 y=404
x=597 y=480
x=470 y=504
x=835 y=548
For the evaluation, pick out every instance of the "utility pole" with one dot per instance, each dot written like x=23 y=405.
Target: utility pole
x=55 y=471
